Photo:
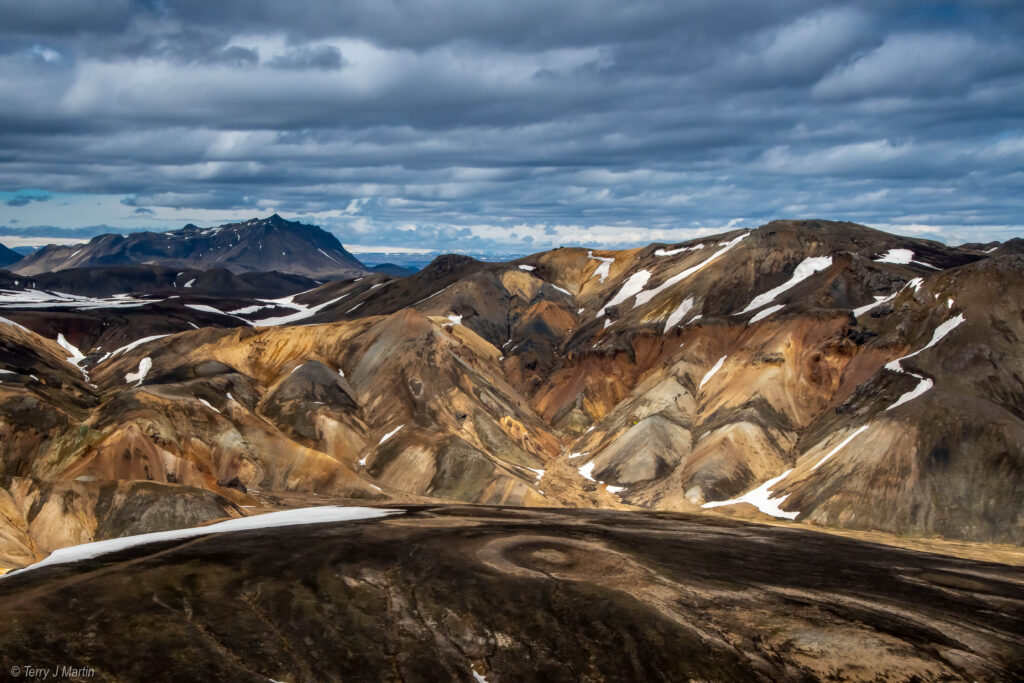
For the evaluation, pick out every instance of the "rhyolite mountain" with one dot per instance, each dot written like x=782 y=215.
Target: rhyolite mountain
x=814 y=371
x=256 y=245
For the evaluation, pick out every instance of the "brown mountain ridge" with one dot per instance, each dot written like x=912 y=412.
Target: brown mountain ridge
x=813 y=371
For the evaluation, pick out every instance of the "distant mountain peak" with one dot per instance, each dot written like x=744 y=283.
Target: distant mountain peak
x=254 y=245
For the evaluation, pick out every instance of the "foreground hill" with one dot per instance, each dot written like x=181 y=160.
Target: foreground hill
x=470 y=593
x=813 y=371
x=257 y=245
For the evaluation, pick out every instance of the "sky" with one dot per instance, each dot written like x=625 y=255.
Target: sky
x=511 y=126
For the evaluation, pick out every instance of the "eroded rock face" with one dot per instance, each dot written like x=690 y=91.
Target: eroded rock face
x=442 y=593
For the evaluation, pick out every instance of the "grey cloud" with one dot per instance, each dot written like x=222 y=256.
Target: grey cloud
x=26 y=199
x=449 y=114
x=314 y=57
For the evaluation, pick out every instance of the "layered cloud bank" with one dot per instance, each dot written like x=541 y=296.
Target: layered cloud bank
x=449 y=125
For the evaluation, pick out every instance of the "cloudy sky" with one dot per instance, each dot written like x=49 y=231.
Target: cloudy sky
x=511 y=126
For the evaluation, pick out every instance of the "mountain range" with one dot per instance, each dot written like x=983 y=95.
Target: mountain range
x=257 y=245
x=793 y=452
x=814 y=371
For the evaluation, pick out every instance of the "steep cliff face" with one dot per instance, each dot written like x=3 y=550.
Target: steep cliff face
x=808 y=370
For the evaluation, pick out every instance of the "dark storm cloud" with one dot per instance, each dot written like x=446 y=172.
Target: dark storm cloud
x=452 y=122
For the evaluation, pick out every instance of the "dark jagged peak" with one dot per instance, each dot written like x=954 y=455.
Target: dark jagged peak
x=256 y=245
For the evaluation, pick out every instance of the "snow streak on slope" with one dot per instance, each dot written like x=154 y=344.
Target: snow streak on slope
x=711 y=373
x=676 y=316
x=35 y=298
x=805 y=269
x=301 y=311
x=940 y=332
x=603 y=269
x=315 y=515
x=644 y=297
x=761 y=498
x=838 y=448
x=764 y=313
x=390 y=434
x=680 y=250
x=128 y=347
x=914 y=282
x=924 y=383
x=11 y=322
x=76 y=356
x=631 y=287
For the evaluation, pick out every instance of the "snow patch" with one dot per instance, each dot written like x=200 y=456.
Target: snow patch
x=527 y=268
x=11 y=322
x=924 y=383
x=711 y=373
x=301 y=311
x=761 y=498
x=587 y=471
x=914 y=282
x=207 y=404
x=680 y=250
x=676 y=316
x=902 y=257
x=390 y=434
x=314 y=515
x=76 y=356
x=144 y=367
x=838 y=448
x=940 y=332
x=561 y=289
x=128 y=347
x=603 y=269
x=630 y=288
x=643 y=297
x=805 y=269
x=764 y=313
